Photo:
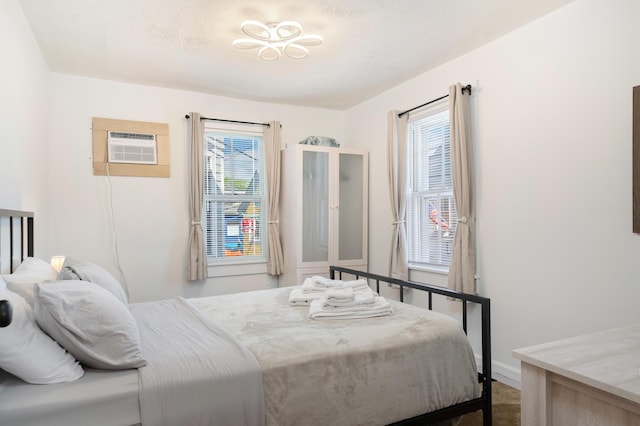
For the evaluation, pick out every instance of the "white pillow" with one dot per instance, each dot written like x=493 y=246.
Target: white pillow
x=89 y=322
x=32 y=270
x=74 y=269
x=28 y=353
x=3 y=285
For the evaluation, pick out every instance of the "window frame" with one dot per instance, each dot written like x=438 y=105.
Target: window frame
x=444 y=192
x=237 y=265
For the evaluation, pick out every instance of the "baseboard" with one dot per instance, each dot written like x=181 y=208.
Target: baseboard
x=502 y=372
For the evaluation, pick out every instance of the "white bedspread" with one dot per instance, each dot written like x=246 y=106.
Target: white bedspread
x=197 y=373
x=371 y=371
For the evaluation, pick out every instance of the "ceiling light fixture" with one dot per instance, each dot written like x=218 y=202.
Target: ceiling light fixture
x=276 y=38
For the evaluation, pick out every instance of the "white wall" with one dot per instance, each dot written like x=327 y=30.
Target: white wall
x=551 y=111
x=24 y=98
x=150 y=214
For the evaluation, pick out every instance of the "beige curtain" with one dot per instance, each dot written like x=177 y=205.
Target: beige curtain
x=197 y=265
x=397 y=169
x=463 y=258
x=275 y=262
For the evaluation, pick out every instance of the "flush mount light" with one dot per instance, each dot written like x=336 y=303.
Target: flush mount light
x=274 y=39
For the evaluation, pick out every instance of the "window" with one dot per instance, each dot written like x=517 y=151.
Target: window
x=431 y=209
x=234 y=194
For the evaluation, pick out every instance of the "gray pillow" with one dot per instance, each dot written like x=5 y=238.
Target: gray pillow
x=90 y=323
x=74 y=269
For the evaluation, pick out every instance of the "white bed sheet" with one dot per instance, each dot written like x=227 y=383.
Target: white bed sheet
x=100 y=397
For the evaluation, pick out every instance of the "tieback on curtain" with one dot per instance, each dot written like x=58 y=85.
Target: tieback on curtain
x=196 y=223
x=398 y=222
x=463 y=219
x=273 y=221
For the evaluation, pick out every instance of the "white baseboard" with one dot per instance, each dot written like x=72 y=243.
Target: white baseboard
x=502 y=372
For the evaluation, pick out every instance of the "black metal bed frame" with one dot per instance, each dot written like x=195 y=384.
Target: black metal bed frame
x=25 y=235
x=6 y=310
x=484 y=377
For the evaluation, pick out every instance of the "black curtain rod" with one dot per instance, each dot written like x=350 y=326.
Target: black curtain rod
x=232 y=121
x=467 y=87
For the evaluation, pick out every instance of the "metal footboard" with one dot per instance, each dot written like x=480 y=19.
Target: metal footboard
x=484 y=377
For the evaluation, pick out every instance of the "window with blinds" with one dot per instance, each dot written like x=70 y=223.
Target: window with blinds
x=431 y=209
x=234 y=194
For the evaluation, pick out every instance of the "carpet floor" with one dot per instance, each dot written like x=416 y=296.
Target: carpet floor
x=506 y=407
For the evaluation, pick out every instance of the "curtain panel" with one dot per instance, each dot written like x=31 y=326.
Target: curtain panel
x=397 y=170
x=463 y=257
x=275 y=260
x=197 y=264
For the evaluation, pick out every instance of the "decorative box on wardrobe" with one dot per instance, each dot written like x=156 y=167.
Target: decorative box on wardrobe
x=323 y=210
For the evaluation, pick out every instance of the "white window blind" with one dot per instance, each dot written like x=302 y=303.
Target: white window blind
x=234 y=194
x=431 y=209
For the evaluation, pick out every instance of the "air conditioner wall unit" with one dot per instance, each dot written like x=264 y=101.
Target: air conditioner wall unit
x=132 y=148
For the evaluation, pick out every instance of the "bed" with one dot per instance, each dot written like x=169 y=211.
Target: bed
x=413 y=367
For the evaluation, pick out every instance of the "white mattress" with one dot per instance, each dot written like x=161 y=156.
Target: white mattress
x=104 y=397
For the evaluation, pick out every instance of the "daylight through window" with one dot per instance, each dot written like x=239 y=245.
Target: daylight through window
x=431 y=209
x=234 y=194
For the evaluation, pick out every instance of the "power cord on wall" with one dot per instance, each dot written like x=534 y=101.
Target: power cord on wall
x=115 y=232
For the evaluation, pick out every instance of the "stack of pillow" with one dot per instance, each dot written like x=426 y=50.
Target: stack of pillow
x=65 y=322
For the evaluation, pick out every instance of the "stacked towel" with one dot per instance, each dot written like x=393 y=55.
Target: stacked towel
x=315 y=287
x=349 y=303
x=337 y=298
x=297 y=297
x=339 y=295
x=318 y=283
x=321 y=309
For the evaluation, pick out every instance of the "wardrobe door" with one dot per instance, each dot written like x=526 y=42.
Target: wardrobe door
x=315 y=206
x=350 y=207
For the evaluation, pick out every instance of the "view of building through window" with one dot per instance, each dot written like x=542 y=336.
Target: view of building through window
x=234 y=194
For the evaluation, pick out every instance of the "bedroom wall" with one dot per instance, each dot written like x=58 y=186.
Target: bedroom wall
x=150 y=214
x=24 y=85
x=551 y=112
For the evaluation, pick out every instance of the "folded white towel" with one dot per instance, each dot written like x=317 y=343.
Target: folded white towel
x=321 y=281
x=318 y=283
x=360 y=297
x=340 y=295
x=379 y=307
x=308 y=286
x=298 y=298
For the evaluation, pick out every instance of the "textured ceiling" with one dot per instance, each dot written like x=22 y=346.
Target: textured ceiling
x=369 y=45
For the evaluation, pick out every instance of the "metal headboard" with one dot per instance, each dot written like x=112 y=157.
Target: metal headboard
x=25 y=220
x=25 y=244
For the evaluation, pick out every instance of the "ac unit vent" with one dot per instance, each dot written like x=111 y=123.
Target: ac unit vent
x=134 y=148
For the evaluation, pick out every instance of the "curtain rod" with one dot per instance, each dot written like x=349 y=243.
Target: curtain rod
x=467 y=87
x=232 y=121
